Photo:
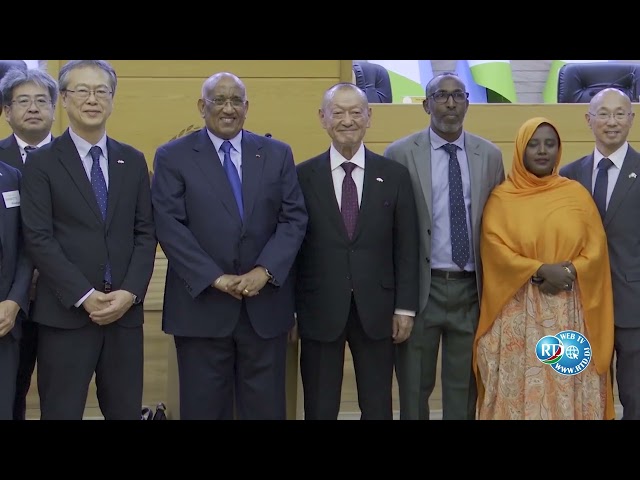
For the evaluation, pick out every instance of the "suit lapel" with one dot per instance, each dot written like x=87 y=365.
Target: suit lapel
x=322 y=183
x=116 y=177
x=252 y=165
x=421 y=154
x=70 y=160
x=370 y=192
x=584 y=175
x=630 y=165
x=209 y=163
x=476 y=174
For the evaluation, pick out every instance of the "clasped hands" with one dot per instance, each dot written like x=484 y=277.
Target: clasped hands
x=556 y=277
x=247 y=285
x=106 y=308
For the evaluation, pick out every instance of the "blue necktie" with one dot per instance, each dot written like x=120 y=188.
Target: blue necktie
x=100 y=189
x=457 y=210
x=602 y=182
x=232 y=175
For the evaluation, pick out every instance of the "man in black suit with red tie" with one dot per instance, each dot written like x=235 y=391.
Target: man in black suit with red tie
x=31 y=96
x=88 y=223
x=357 y=270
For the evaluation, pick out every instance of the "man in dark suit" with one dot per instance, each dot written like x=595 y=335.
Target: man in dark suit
x=15 y=280
x=230 y=218
x=453 y=173
x=31 y=97
x=357 y=270
x=374 y=80
x=89 y=230
x=611 y=173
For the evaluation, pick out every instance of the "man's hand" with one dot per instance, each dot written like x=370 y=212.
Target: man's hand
x=252 y=282
x=118 y=302
x=96 y=301
x=227 y=284
x=402 y=326
x=8 y=313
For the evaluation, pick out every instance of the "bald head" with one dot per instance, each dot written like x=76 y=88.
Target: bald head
x=211 y=82
x=610 y=118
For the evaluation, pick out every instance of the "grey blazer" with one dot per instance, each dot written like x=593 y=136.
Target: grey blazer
x=486 y=170
x=623 y=233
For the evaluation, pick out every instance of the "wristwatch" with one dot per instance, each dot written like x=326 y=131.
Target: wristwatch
x=271 y=279
x=135 y=299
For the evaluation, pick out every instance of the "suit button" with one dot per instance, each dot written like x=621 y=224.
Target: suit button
x=353 y=251
x=428 y=232
x=428 y=260
x=348 y=277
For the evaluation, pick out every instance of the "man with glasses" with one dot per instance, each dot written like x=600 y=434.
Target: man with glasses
x=230 y=218
x=610 y=173
x=30 y=98
x=453 y=173
x=15 y=275
x=88 y=225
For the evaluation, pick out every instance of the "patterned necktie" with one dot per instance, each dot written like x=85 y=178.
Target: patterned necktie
x=233 y=176
x=100 y=190
x=602 y=182
x=349 y=205
x=27 y=149
x=457 y=210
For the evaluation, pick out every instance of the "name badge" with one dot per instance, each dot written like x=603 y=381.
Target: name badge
x=11 y=199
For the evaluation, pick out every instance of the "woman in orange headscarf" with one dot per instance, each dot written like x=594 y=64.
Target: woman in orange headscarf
x=546 y=270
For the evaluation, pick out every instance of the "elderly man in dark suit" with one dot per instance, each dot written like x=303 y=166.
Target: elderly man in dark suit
x=610 y=173
x=15 y=280
x=89 y=230
x=31 y=97
x=230 y=218
x=357 y=270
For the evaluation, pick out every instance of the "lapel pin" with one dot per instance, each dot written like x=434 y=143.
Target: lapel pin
x=257 y=156
x=120 y=161
x=379 y=180
x=632 y=175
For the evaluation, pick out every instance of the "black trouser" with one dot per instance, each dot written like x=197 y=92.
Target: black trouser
x=26 y=366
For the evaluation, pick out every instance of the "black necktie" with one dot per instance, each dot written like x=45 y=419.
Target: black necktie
x=99 y=185
x=457 y=210
x=602 y=182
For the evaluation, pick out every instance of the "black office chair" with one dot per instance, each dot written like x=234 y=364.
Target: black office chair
x=374 y=80
x=579 y=82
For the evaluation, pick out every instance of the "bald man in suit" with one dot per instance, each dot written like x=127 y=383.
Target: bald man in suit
x=453 y=173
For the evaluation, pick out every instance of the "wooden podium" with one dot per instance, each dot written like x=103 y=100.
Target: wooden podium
x=173 y=397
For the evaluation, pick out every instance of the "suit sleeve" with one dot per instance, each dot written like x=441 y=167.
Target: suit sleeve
x=279 y=253
x=188 y=258
x=406 y=246
x=45 y=251
x=499 y=173
x=19 y=291
x=140 y=269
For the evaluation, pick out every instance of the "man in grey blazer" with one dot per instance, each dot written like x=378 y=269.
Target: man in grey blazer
x=610 y=173
x=453 y=173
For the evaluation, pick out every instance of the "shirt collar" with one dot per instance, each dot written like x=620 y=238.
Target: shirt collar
x=616 y=157
x=83 y=146
x=236 y=141
x=337 y=159
x=22 y=143
x=437 y=141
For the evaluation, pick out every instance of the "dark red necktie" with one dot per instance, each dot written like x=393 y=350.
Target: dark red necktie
x=349 y=206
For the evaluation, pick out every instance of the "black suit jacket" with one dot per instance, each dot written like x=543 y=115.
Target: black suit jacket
x=10 y=152
x=69 y=242
x=380 y=264
x=623 y=233
x=15 y=267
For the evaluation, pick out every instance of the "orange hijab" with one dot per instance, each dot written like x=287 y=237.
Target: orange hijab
x=528 y=221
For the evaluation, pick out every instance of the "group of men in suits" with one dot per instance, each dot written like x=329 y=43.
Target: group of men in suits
x=380 y=252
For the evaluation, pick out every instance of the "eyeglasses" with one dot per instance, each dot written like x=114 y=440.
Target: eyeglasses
x=443 y=97
x=604 y=116
x=84 y=93
x=236 y=102
x=25 y=102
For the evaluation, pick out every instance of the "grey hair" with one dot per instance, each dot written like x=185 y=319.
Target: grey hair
x=16 y=77
x=63 y=77
x=327 y=98
x=211 y=82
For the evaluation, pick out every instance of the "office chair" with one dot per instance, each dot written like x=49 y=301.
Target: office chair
x=374 y=80
x=579 y=82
